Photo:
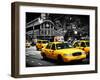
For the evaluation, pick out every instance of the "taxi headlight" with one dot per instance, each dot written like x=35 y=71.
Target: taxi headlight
x=67 y=54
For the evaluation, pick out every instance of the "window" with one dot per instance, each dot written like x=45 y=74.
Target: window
x=53 y=47
x=42 y=32
x=87 y=44
x=76 y=44
x=29 y=29
x=47 y=25
x=83 y=44
x=38 y=41
x=45 y=42
x=48 y=46
x=62 y=46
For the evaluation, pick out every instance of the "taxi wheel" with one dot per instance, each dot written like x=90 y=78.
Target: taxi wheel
x=88 y=55
x=60 y=59
x=37 y=49
x=44 y=56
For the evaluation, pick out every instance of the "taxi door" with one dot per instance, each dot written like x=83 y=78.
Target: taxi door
x=52 y=52
x=47 y=50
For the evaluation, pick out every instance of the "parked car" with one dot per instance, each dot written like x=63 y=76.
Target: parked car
x=62 y=52
x=82 y=44
x=40 y=44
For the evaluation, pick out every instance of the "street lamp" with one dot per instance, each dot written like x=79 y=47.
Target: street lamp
x=75 y=32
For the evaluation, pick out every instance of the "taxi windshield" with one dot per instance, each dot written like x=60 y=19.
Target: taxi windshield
x=87 y=44
x=38 y=41
x=63 y=46
x=45 y=42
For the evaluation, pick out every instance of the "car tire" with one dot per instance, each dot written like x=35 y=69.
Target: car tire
x=88 y=55
x=37 y=49
x=60 y=59
x=44 y=56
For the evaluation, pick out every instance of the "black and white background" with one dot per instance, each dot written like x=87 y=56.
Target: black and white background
x=47 y=25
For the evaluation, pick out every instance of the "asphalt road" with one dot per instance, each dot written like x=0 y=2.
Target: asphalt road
x=34 y=59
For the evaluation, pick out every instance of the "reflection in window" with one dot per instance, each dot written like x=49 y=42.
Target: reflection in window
x=83 y=44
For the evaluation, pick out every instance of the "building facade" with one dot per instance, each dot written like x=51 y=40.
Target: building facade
x=40 y=28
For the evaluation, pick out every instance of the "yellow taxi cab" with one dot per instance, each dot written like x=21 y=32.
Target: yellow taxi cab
x=62 y=52
x=40 y=44
x=82 y=44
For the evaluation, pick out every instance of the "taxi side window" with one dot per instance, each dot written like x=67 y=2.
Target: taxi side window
x=48 y=46
x=38 y=41
x=76 y=44
x=53 y=47
x=83 y=44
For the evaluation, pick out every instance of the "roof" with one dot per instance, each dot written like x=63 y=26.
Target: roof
x=84 y=40
x=56 y=42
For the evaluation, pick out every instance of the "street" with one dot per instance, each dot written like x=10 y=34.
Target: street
x=34 y=59
x=44 y=27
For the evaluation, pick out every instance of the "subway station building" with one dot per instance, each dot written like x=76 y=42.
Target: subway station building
x=42 y=28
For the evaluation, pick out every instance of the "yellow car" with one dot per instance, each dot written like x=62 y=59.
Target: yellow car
x=40 y=44
x=62 y=52
x=82 y=44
